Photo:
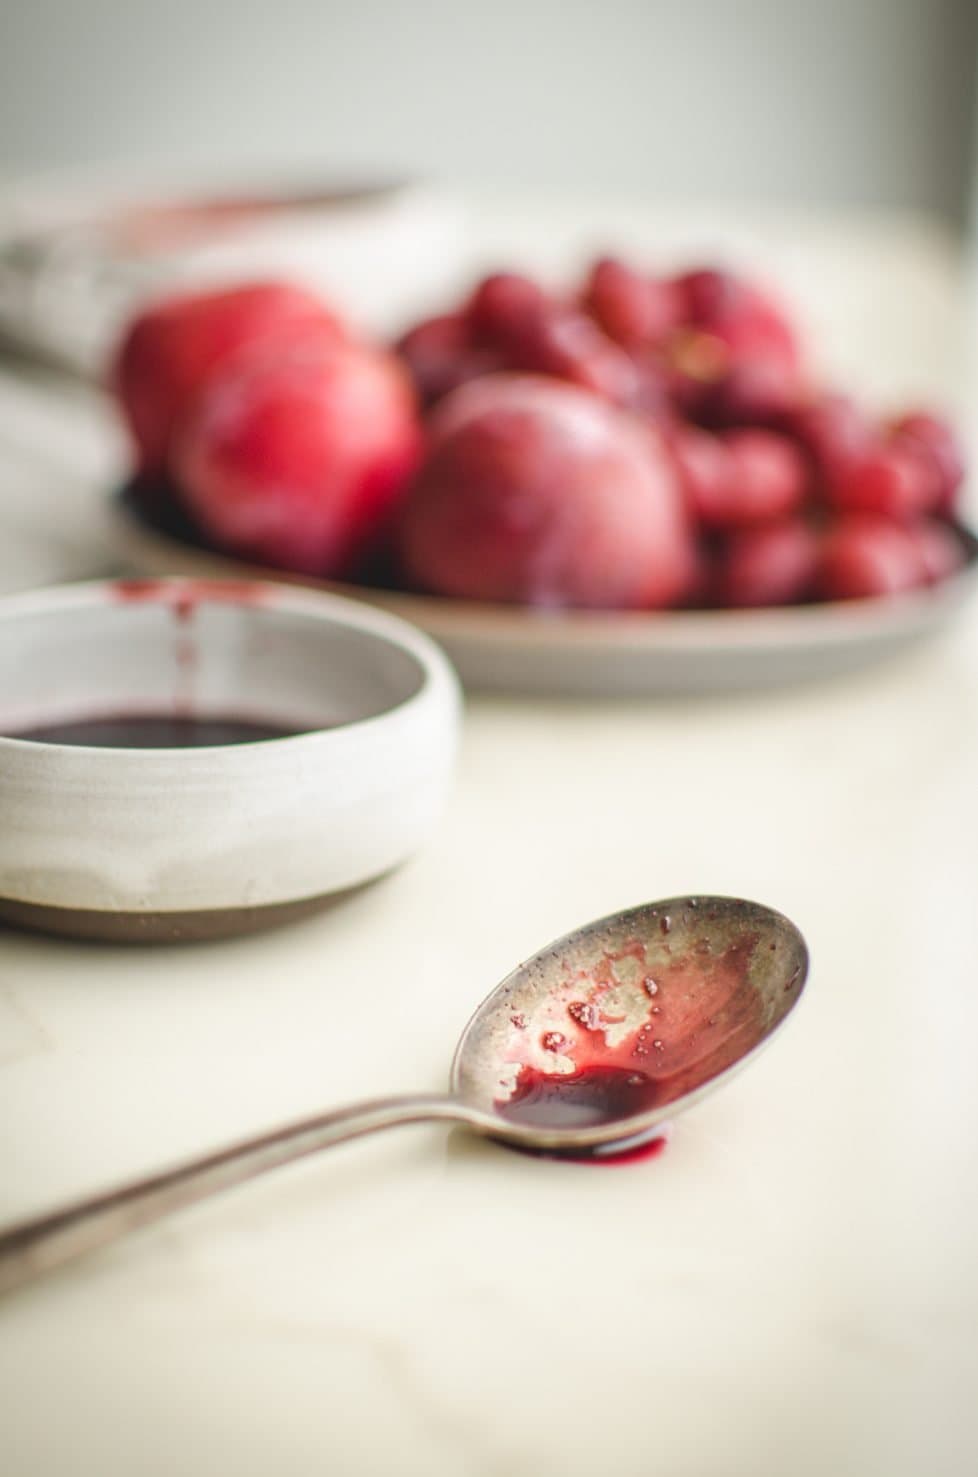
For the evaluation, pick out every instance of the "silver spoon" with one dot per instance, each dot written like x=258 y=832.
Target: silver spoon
x=586 y=1050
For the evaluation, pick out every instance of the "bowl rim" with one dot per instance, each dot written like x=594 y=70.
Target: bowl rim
x=437 y=675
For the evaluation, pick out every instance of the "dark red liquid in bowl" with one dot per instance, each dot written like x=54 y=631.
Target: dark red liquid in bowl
x=155 y=731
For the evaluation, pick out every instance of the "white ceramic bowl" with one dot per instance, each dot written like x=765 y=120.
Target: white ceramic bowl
x=197 y=842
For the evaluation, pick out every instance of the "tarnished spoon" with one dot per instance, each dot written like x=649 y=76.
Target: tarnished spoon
x=586 y=1050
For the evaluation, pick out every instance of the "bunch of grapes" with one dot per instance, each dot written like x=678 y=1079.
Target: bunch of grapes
x=792 y=493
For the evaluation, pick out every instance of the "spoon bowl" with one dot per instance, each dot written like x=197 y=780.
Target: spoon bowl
x=613 y=1029
x=585 y=1051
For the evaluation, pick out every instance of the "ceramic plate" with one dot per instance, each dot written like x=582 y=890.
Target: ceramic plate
x=598 y=653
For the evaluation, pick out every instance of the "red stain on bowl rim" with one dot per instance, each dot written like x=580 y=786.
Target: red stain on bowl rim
x=184 y=595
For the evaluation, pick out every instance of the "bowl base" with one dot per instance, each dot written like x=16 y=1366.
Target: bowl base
x=192 y=926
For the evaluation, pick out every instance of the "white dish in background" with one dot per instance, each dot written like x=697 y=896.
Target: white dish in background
x=613 y=653
x=75 y=264
x=197 y=842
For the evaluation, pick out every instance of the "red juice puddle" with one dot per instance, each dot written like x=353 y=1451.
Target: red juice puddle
x=156 y=731
x=594 y=1094
x=650 y=1146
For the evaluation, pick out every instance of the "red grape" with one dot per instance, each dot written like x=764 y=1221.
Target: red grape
x=833 y=430
x=697 y=362
x=500 y=306
x=936 y=439
x=742 y=478
x=771 y=565
x=706 y=471
x=710 y=295
x=753 y=392
x=563 y=342
x=440 y=355
x=896 y=478
x=748 y=321
x=867 y=554
x=633 y=309
x=939 y=548
x=770 y=477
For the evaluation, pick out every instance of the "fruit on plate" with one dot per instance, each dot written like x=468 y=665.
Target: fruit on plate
x=938 y=548
x=540 y=493
x=832 y=429
x=737 y=359
x=297 y=459
x=171 y=349
x=440 y=356
x=770 y=463
x=744 y=477
x=637 y=310
x=866 y=554
x=774 y=564
x=744 y=318
x=636 y=440
x=936 y=442
x=510 y=323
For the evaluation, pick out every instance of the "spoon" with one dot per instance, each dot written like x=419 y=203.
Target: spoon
x=585 y=1050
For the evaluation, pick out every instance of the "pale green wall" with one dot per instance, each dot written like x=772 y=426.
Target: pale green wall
x=795 y=100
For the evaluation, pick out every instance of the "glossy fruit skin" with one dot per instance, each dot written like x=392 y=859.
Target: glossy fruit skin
x=889 y=477
x=539 y=493
x=939 y=548
x=441 y=355
x=291 y=444
x=171 y=349
x=775 y=564
x=706 y=473
x=636 y=310
x=745 y=477
x=500 y=306
x=562 y=342
x=865 y=555
x=936 y=439
x=833 y=430
x=760 y=392
x=738 y=359
x=746 y=319
x=298 y=460
x=771 y=476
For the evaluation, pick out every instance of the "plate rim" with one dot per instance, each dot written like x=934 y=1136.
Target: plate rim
x=756 y=629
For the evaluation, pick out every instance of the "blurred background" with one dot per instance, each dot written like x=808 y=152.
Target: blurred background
x=841 y=103
x=829 y=148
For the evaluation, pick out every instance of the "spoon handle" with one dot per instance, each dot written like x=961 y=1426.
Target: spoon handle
x=33 y=1247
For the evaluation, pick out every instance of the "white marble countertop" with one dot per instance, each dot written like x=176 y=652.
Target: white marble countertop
x=791 y=1288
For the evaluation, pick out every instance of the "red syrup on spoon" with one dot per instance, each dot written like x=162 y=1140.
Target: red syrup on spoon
x=696 y=1016
x=155 y=731
x=594 y=1094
